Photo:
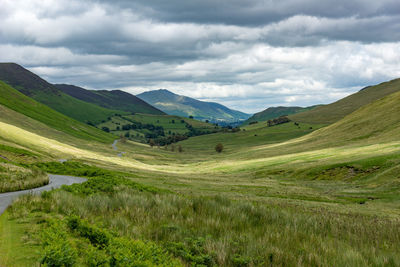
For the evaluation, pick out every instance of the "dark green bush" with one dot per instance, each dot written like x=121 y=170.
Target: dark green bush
x=96 y=236
x=240 y=261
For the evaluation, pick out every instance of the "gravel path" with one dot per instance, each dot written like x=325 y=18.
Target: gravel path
x=114 y=146
x=55 y=181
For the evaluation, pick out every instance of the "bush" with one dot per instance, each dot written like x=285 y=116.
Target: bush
x=152 y=143
x=240 y=261
x=96 y=236
x=97 y=257
x=219 y=148
x=57 y=251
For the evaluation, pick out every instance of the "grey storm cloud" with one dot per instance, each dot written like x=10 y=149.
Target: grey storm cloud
x=255 y=12
x=247 y=54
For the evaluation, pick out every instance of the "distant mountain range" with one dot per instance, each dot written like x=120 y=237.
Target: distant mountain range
x=179 y=105
x=83 y=105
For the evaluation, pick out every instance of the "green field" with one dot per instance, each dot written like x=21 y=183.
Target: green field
x=172 y=125
x=286 y=195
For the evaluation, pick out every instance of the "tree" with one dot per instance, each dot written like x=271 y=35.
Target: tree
x=180 y=149
x=190 y=117
x=106 y=129
x=219 y=147
x=152 y=143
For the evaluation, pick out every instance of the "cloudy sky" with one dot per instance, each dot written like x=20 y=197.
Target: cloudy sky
x=246 y=54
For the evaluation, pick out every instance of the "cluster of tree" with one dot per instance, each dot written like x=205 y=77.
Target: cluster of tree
x=167 y=140
x=174 y=138
x=196 y=132
x=173 y=148
x=139 y=125
x=280 y=120
x=253 y=122
x=154 y=131
x=230 y=129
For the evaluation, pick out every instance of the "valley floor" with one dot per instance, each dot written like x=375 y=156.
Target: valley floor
x=276 y=196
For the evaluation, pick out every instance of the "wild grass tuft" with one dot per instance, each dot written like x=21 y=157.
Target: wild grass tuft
x=16 y=178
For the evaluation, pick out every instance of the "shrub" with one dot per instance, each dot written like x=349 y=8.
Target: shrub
x=240 y=261
x=97 y=257
x=152 y=143
x=219 y=148
x=57 y=251
x=96 y=236
x=106 y=129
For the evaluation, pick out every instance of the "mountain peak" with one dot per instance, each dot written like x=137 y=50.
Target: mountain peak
x=180 y=105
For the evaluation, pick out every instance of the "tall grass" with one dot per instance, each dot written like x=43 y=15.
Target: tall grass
x=15 y=178
x=219 y=231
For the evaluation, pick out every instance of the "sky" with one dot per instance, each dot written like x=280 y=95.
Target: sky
x=246 y=54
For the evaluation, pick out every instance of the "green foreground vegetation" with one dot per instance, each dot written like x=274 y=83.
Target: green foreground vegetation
x=293 y=194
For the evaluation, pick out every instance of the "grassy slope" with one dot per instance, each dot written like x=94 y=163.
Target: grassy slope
x=331 y=113
x=115 y=100
x=15 y=100
x=75 y=108
x=376 y=122
x=250 y=136
x=35 y=87
x=275 y=112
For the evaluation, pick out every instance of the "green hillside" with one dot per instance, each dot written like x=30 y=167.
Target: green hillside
x=378 y=121
x=331 y=113
x=275 y=112
x=183 y=106
x=115 y=99
x=17 y=101
x=35 y=87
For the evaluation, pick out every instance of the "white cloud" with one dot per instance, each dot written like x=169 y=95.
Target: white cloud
x=298 y=58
